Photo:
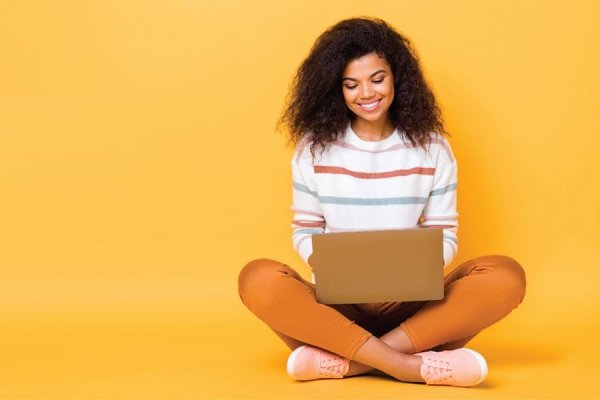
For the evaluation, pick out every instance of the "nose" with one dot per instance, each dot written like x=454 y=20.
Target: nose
x=366 y=91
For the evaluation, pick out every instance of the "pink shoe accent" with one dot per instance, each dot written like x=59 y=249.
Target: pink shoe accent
x=462 y=367
x=308 y=363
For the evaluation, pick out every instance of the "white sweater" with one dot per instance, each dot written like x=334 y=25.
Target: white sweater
x=360 y=186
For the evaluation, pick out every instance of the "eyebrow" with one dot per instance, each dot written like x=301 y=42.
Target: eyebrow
x=370 y=76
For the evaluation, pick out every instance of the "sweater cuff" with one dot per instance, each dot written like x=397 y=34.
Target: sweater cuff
x=448 y=254
x=305 y=249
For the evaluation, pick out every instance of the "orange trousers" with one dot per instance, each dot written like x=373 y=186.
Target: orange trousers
x=477 y=294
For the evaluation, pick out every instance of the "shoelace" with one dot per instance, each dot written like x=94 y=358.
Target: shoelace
x=439 y=371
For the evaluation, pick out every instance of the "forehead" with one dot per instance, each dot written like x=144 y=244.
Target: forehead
x=366 y=65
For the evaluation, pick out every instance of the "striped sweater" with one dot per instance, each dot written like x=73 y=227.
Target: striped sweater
x=360 y=186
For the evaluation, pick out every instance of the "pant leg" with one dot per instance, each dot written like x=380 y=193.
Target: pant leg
x=279 y=296
x=478 y=293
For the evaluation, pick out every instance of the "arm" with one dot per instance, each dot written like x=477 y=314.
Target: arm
x=308 y=217
x=440 y=209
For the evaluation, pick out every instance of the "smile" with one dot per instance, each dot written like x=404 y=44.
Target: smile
x=369 y=106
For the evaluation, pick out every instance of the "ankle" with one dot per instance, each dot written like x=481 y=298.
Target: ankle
x=355 y=368
x=413 y=369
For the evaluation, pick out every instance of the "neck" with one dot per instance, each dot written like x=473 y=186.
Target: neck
x=372 y=131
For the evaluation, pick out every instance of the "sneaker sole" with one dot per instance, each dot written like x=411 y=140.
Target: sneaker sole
x=482 y=364
x=292 y=359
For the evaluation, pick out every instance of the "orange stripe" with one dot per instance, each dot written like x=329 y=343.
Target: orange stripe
x=308 y=224
x=439 y=226
x=319 y=169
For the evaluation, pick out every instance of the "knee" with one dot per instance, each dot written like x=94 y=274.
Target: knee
x=509 y=279
x=255 y=278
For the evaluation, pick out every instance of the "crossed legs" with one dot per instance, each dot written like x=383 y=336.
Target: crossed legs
x=478 y=293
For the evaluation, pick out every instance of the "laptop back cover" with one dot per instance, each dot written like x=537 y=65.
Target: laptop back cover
x=379 y=266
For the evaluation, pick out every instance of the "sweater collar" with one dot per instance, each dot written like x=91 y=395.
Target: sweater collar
x=352 y=138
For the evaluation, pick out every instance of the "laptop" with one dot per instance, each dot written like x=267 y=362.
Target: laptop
x=378 y=266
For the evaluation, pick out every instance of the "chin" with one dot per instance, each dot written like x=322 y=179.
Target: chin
x=369 y=118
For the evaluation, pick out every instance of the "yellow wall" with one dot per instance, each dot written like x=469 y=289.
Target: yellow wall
x=140 y=169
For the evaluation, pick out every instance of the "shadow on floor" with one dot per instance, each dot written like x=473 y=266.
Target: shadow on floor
x=507 y=354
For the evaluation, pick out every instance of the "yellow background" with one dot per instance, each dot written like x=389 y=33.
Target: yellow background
x=140 y=170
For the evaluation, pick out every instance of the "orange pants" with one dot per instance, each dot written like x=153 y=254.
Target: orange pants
x=478 y=293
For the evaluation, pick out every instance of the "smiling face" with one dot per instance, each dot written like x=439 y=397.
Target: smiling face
x=368 y=88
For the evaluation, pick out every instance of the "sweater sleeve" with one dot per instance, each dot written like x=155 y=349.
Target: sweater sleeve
x=440 y=209
x=308 y=217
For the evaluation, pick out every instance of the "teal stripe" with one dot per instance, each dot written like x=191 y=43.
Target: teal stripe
x=304 y=189
x=443 y=190
x=309 y=231
x=453 y=238
x=350 y=201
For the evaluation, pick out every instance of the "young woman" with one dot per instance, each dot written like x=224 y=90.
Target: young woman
x=371 y=154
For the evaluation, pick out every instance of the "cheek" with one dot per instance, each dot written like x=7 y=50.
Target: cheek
x=390 y=97
x=347 y=98
x=391 y=91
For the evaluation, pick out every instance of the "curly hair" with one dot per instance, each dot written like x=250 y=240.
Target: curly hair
x=315 y=104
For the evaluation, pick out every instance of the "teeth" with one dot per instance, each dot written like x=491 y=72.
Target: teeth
x=369 y=106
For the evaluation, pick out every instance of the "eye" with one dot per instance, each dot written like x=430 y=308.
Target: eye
x=350 y=86
x=378 y=80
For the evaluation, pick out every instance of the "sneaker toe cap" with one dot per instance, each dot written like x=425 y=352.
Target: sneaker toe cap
x=474 y=368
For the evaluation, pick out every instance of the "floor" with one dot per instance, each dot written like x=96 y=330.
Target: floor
x=196 y=350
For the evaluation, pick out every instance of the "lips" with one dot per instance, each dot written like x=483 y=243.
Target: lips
x=370 y=106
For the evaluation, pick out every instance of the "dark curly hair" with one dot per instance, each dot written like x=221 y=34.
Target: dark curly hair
x=315 y=104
